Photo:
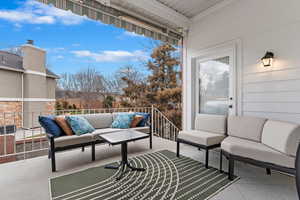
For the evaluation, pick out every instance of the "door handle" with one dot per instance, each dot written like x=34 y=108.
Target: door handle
x=230 y=106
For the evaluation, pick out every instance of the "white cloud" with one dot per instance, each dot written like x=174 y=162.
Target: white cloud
x=17 y=25
x=132 y=34
x=59 y=57
x=56 y=49
x=112 y=56
x=33 y=12
x=75 y=45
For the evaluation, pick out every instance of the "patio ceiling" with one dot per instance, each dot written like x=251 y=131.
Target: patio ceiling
x=190 y=8
x=173 y=13
x=163 y=20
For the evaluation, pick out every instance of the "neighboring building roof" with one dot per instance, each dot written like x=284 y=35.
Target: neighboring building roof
x=51 y=74
x=14 y=62
x=11 y=60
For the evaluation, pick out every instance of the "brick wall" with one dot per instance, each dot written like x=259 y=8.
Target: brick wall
x=50 y=106
x=11 y=113
x=7 y=147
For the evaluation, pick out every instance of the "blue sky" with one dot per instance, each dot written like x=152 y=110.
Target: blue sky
x=72 y=42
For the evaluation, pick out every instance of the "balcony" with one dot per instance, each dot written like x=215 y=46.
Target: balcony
x=28 y=176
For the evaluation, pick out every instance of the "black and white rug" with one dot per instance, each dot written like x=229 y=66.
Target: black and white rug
x=166 y=177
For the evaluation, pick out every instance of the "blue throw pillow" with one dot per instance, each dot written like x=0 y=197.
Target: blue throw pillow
x=79 y=125
x=145 y=119
x=50 y=126
x=123 y=120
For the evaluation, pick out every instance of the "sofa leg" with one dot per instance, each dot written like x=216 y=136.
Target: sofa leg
x=93 y=152
x=206 y=158
x=268 y=170
x=178 y=149
x=82 y=149
x=150 y=140
x=221 y=161
x=52 y=154
x=231 y=169
x=53 y=162
x=49 y=154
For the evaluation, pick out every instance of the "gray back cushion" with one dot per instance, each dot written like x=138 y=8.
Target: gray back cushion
x=211 y=123
x=246 y=127
x=102 y=120
x=281 y=136
x=115 y=114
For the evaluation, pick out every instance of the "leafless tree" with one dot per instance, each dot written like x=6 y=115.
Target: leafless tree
x=87 y=84
x=87 y=80
x=90 y=81
x=113 y=85
x=14 y=49
x=90 y=85
x=131 y=73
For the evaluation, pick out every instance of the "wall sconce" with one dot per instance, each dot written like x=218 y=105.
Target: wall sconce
x=267 y=60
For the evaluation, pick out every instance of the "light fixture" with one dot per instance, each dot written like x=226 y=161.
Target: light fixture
x=267 y=60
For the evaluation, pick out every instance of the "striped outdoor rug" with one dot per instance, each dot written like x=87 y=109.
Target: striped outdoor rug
x=166 y=177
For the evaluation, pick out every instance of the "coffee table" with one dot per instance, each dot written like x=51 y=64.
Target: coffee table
x=123 y=137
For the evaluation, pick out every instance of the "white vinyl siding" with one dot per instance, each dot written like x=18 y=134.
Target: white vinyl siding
x=272 y=92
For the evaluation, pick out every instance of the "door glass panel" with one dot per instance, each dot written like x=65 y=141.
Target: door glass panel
x=213 y=80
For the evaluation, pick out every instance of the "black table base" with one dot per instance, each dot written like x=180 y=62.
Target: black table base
x=124 y=163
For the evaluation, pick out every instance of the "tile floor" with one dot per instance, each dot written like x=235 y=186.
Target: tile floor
x=28 y=180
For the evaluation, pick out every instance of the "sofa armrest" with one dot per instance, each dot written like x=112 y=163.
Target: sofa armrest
x=281 y=136
x=50 y=136
x=51 y=141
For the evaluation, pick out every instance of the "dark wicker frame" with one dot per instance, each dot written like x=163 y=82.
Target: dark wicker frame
x=268 y=166
x=199 y=146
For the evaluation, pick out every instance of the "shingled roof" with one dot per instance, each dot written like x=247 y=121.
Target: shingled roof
x=15 y=63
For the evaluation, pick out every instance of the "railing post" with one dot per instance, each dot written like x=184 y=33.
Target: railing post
x=4 y=131
x=297 y=167
x=152 y=124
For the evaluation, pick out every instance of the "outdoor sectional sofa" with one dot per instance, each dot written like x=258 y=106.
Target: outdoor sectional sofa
x=102 y=123
x=261 y=142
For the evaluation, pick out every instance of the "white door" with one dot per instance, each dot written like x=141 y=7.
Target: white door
x=215 y=83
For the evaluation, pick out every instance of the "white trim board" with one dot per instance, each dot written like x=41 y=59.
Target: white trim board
x=11 y=69
x=27 y=71
x=39 y=74
x=35 y=73
x=188 y=74
x=27 y=99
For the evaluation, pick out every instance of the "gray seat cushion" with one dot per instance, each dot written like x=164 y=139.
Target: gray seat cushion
x=246 y=127
x=72 y=140
x=201 y=137
x=256 y=151
x=101 y=120
x=211 y=123
x=281 y=136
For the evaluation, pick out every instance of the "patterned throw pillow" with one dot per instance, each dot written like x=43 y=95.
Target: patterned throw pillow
x=136 y=120
x=50 y=126
x=123 y=120
x=145 y=119
x=62 y=122
x=79 y=125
